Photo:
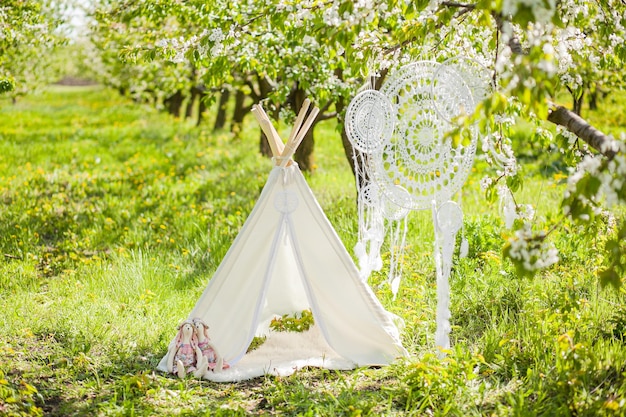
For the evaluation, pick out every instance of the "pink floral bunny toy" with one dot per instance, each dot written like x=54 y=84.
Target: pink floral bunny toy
x=184 y=355
x=209 y=352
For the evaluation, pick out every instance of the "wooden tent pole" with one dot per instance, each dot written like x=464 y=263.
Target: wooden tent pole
x=292 y=145
x=298 y=123
x=276 y=144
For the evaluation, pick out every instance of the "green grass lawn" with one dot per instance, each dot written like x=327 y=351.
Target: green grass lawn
x=113 y=217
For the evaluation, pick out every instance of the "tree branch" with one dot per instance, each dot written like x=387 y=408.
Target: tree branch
x=514 y=42
x=456 y=4
x=326 y=116
x=602 y=143
x=465 y=8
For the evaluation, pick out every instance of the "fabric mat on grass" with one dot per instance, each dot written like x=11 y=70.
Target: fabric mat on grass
x=282 y=354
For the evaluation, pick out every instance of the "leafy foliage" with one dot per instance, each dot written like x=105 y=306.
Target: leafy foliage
x=18 y=398
x=293 y=323
x=26 y=45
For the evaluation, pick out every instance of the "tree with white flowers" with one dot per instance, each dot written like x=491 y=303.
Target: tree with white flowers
x=27 y=40
x=119 y=27
x=281 y=51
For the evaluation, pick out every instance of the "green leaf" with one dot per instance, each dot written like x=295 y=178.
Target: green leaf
x=610 y=277
x=515 y=182
x=524 y=15
x=6 y=85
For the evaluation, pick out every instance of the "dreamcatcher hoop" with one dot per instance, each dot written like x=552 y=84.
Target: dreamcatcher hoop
x=449 y=218
x=369 y=121
x=447 y=82
x=419 y=157
x=392 y=210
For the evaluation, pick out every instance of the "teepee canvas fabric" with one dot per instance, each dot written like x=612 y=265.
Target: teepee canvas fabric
x=288 y=258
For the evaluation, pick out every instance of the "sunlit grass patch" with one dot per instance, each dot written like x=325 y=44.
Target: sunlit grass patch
x=113 y=218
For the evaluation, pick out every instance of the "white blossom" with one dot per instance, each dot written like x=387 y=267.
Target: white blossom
x=485 y=183
x=533 y=252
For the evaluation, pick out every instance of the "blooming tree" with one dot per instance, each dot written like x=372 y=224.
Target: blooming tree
x=117 y=28
x=27 y=38
x=281 y=51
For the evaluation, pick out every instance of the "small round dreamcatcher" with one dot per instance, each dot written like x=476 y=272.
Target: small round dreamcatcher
x=369 y=121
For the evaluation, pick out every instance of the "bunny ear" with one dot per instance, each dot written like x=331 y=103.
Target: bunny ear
x=180 y=326
x=179 y=335
x=199 y=320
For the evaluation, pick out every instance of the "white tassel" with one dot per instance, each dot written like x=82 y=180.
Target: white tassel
x=448 y=221
x=464 y=250
x=359 y=251
x=395 y=285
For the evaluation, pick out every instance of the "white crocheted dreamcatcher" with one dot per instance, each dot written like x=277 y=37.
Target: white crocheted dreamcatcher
x=369 y=126
x=410 y=162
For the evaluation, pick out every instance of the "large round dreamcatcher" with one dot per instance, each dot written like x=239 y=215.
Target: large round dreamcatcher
x=421 y=156
x=415 y=156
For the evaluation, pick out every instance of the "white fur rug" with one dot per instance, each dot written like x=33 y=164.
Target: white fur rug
x=282 y=354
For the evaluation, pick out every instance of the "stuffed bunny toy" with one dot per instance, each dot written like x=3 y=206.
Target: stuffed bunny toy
x=184 y=355
x=208 y=350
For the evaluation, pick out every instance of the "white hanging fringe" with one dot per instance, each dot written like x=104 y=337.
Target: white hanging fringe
x=397 y=244
x=448 y=220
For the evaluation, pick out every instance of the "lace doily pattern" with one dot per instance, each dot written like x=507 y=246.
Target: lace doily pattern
x=461 y=70
x=419 y=156
x=449 y=219
x=391 y=210
x=369 y=121
x=450 y=93
x=369 y=194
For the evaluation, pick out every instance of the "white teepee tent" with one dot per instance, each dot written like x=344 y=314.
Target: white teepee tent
x=288 y=258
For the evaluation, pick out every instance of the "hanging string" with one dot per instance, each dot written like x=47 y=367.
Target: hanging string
x=371 y=231
x=397 y=245
x=371 y=228
x=464 y=248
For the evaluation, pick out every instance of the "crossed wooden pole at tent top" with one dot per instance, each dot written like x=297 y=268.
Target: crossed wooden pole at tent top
x=283 y=152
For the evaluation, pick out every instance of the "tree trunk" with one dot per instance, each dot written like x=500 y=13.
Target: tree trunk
x=602 y=143
x=238 y=113
x=593 y=100
x=173 y=103
x=265 y=89
x=264 y=146
x=304 y=153
x=201 y=107
x=195 y=93
x=220 y=118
